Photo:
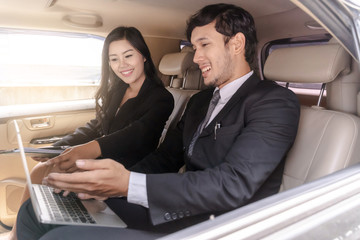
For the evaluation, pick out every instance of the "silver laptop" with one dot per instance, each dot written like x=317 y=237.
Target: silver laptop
x=53 y=208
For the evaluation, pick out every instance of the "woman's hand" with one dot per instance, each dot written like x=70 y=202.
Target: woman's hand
x=66 y=160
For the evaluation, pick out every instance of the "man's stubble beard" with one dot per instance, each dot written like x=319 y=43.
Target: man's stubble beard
x=225 y=75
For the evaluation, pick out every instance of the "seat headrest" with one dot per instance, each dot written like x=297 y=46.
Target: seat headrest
x=307 y=64
x=176 y=63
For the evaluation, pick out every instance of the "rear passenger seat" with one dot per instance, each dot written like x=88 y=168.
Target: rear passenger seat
x=327 y=140
x=186 y=80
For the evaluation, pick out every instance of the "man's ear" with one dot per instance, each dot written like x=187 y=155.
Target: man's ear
x=239 y=41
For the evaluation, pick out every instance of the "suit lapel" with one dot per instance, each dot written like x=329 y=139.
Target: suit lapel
x=127 y=110
x=201 y=105
x=203 y=109
x=239 y=95
x=113 y=106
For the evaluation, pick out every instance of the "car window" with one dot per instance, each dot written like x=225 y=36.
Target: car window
x=42 y=61
x=184 y=43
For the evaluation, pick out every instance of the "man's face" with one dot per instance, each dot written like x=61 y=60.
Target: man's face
x=212 y=55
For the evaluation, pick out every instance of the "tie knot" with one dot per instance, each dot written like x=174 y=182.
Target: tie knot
x=215 y=98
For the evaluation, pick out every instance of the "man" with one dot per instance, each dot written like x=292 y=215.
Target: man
x=232 y=138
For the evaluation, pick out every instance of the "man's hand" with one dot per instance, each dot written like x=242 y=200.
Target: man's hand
x=100 y=178
x=66 y=161
x=40 y=159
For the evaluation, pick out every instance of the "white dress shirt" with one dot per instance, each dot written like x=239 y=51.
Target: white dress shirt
x=137 y=192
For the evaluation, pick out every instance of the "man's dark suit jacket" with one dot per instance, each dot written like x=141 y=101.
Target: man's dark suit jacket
x=242 y=163
x=134 y=131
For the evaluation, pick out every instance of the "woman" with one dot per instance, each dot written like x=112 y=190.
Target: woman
x=132 y=107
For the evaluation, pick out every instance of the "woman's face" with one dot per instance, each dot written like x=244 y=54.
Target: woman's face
x=126 y=62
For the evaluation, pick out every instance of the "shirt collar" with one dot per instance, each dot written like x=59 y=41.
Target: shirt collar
x=229 y=89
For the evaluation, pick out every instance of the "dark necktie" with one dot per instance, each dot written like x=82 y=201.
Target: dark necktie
x=214 y=100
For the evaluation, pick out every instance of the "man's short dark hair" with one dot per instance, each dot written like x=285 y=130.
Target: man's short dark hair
x=230 y=20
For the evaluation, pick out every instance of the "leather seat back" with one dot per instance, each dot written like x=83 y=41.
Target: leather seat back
x=186 y=81
x=327 y=140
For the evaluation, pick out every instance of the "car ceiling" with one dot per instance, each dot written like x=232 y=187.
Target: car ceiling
x=159 y=18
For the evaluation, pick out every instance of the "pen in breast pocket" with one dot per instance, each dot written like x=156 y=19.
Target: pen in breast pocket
x=217 y=126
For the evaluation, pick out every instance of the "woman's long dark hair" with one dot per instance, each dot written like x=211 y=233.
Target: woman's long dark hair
x=109 y=80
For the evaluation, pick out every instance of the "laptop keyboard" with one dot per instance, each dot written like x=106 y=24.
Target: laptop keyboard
x=67 y=209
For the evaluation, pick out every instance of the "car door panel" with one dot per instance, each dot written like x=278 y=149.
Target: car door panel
x=35 y=130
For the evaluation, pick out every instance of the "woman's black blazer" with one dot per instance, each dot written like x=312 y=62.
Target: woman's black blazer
x=134 y=131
